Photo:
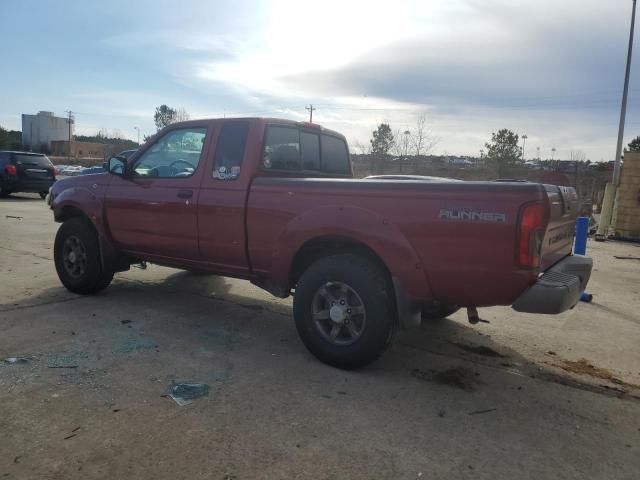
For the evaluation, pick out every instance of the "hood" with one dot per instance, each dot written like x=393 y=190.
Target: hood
x=80 y=181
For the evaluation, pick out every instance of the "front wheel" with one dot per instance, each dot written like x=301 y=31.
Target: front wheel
x=77 y=257
x=344 y=310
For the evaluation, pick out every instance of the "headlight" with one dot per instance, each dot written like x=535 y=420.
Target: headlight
x=50 y=196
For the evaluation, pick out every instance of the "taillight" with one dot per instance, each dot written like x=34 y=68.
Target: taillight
x=531 y=235
x=11 y=169
x=56 y=172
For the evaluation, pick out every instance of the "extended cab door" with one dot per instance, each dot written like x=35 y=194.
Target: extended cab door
x=153 y=209
x=223 y=196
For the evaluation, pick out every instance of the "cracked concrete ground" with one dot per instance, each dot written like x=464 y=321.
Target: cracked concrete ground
x=523 y=397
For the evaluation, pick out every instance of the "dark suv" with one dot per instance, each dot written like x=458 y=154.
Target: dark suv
x=25 y=172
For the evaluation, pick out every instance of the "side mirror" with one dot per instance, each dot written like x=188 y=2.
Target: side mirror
x=117 y=166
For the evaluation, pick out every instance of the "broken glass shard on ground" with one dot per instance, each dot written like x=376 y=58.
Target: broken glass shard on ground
x=185 y=393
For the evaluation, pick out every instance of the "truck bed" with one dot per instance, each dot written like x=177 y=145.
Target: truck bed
x=463 y=235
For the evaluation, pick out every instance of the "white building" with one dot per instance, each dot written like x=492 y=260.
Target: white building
x=38 y=131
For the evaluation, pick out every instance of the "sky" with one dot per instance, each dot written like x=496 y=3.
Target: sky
x=550 y=69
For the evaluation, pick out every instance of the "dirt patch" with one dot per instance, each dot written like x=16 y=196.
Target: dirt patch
x=584 y=367
x=463 y=378
x=479 y=350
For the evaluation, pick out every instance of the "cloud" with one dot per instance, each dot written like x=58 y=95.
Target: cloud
x=500 y=57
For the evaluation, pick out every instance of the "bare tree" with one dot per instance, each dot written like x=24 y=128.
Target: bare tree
x=361 y=148
x=422 y=138
x=578 y=156
x=397 y=148
x=181 y=115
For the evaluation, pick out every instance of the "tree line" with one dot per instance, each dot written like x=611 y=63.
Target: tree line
x=503 y=151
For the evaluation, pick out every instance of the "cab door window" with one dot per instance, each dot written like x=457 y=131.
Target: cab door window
x=174 y=155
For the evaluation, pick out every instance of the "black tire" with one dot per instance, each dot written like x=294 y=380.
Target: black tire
x=438 y=311
x=367 y=289
x=43 y=195
x=84 y=276
x=4 y=193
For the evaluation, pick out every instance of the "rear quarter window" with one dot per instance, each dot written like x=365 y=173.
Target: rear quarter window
x=282 y=149
x=335 y=157
x=230 y=150
x=310 y=144
x=296 y=150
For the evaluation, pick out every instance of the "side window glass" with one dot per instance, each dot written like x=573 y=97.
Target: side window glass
x=281 y=149
x=335 y=158
x=230 y=150
x=174 y=155
x=310 y=144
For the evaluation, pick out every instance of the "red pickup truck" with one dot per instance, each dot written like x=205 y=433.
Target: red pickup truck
x=275 y=202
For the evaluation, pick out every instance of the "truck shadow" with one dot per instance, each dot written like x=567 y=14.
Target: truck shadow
x=447 y=338
x=15 y=197
x=183 y=301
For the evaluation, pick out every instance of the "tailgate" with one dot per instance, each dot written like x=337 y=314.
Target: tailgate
x=33 y=167
x=558 y=239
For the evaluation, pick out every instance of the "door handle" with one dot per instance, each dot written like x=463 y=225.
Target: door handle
x=185 y=193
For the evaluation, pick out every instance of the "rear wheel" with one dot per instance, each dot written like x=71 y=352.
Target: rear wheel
x=77 y=257
x=4 y=192
x=344 y=310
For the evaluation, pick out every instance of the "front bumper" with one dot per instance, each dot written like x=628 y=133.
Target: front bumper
x=558 y=289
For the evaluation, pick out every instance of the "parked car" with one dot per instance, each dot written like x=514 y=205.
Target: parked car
x=461 y=162
x=70 y=170
x=92 y=170
x=274 y=202
x=422 y=178
x=533 y=165
x=25 y=172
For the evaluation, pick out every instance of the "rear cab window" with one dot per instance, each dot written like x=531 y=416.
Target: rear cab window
x=297 y=150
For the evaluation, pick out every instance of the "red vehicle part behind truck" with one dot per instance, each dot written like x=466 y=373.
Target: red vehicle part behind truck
x=361 y=256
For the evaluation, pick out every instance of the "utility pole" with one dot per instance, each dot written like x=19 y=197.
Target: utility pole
x=69 y=124
x=524 y=141
x=611 y=188
x=623 y=108
x=311 y=108
x=136 y=128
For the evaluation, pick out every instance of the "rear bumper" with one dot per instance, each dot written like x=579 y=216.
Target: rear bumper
x=558 y=289
x=31 y=185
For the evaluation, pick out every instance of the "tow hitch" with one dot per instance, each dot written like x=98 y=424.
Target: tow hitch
x=474 y=317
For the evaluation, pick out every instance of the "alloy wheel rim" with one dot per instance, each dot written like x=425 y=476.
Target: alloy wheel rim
x=338 y=313
x=74 y=257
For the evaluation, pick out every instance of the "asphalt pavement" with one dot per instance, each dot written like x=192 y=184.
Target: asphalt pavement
x=85 y=396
